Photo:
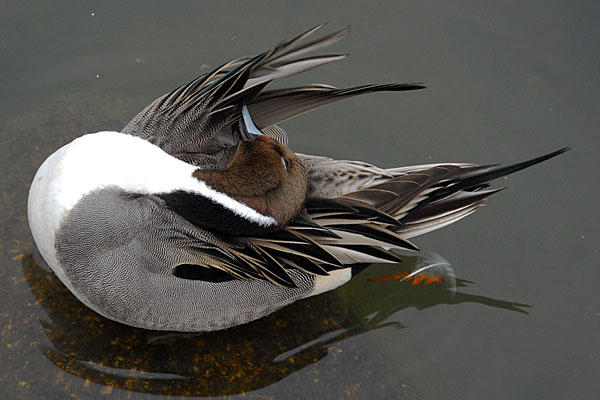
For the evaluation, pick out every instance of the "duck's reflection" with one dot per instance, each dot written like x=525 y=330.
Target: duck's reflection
x=240 y=359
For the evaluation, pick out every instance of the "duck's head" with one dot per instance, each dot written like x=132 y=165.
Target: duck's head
x=265 y=175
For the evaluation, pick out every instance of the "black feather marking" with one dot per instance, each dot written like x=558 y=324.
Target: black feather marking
x=273 y=272
x=306 y=264
x=375 y=232
x=373 y=251
x=323 y=252
x=201 y=273
x=346 y=208
x=358 y=268
x=208 y=214
x=305 y=222
x=305 y=250
x=454 y=202
x=492 y=173
x=370 y=212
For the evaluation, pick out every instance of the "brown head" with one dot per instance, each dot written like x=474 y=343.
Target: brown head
x=265 y=175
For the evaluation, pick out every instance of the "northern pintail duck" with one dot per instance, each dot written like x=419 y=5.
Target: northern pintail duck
x=198 y=217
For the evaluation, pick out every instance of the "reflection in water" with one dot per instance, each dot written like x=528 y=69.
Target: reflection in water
x=240 y=359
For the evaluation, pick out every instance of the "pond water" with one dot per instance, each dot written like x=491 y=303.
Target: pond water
x=507 y=81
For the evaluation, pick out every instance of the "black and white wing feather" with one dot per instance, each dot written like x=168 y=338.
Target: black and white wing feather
x=192 y=122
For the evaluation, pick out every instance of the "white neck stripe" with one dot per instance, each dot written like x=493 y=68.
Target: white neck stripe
x=135 y=165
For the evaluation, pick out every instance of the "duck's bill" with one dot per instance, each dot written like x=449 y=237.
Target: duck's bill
x=247 y=127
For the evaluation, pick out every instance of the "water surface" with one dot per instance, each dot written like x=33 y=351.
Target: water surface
x=507 y=81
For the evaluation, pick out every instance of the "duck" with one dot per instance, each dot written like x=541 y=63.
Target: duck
x=197 y=216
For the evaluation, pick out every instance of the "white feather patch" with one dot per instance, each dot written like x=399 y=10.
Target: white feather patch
x=106 y=159
x=329 y=282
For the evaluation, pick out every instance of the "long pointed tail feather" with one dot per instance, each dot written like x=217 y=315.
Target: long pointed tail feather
x=458 y=196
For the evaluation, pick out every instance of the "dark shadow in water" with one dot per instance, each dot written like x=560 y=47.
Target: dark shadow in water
x=240 y=359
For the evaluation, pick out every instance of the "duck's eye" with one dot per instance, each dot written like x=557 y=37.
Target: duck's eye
x=286 y=162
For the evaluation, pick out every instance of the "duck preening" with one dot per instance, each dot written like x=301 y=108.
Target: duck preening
x=197 y=216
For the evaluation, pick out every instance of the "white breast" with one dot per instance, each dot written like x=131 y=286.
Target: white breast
x=103 y=159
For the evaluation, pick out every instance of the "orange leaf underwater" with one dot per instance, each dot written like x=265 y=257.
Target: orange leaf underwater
x=424 y=277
